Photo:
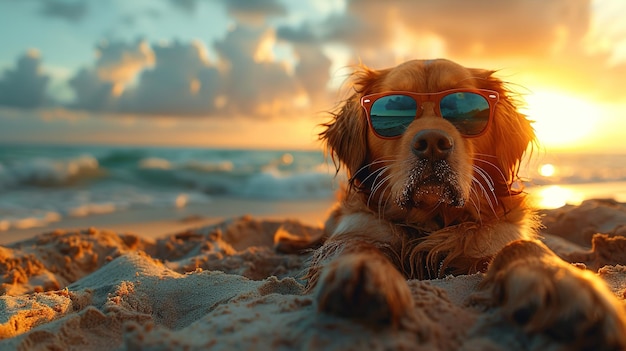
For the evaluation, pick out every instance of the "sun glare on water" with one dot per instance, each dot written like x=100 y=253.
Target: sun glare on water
x=551 y=196
x=560 y=120
x=555 y=196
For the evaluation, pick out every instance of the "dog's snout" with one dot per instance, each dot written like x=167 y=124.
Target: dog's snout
x=432 y=143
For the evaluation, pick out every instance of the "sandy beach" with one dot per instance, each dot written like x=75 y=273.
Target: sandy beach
x=222 y=284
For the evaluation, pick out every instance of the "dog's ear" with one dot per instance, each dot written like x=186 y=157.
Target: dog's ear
x=346 y=133
x=511 y=133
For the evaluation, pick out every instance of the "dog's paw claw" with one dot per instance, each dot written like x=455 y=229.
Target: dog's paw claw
x=359 y=288
x=554 y=298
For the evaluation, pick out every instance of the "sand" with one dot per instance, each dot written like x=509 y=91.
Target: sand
x=224 y=286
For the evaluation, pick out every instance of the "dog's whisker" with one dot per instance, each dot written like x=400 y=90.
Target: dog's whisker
x=387 y=201
x=381 y=210
x=486 y=195
x=494 y=166
x=487 y=178
x=376 y=162
x=474 y=192
x=382 y=207
x=485 y=155
x=477 y=184
x=376 y=174
x=380 y=172
x=484 y=191
x=377 y=184
x=475 y=202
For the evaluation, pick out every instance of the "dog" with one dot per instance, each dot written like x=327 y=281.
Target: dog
x=432 y=150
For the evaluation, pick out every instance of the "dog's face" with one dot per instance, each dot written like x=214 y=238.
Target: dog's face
x=431 y=163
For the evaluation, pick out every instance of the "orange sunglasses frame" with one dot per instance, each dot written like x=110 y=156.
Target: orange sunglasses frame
x=491 y=96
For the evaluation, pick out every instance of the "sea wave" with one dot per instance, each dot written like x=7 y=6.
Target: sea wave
x=31 y=220
x=273 y=184
x=92 y=208
x=46 y=172
x=39 y=185
x=155 y=163
x=209 y=167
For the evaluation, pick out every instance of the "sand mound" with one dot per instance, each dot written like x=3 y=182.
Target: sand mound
x=227 y=287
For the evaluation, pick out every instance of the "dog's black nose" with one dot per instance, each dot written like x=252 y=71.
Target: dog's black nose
x=432 y=143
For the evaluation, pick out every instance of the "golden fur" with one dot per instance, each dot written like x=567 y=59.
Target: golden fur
x=381 y=234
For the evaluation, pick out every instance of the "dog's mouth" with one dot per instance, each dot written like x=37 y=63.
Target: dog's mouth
x=429 y=184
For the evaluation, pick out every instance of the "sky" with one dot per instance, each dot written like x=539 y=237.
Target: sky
x=263 y=73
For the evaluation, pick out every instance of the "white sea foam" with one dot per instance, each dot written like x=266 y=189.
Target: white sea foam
x=92 y=208
x=34 y=221
x=155 y=163
x=206 y=166
x=272 y=184
x=48 y=172
x=181 y=200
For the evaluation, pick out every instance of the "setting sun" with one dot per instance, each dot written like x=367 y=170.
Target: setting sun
x=547 y=170
x=560 y=120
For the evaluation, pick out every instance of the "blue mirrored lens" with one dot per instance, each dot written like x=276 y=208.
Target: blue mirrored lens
x=392 y=114
x=468 y=112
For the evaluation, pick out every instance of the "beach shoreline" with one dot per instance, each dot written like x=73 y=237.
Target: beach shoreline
x=156 y=222
x=159 y=222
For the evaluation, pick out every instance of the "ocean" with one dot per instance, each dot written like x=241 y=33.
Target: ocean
x=42 y=184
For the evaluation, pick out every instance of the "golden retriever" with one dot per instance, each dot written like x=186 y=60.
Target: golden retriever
x=432 y=150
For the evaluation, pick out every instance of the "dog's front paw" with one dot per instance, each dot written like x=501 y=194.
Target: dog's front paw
x=364 y=288
x=543 y=294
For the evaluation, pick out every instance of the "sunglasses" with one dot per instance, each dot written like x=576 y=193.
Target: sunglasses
x=469 y=110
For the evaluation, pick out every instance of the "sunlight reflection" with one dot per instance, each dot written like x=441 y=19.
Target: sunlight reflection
x=555 y=196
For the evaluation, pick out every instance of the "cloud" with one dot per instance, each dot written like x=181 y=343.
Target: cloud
x=132 y=20
x=312 y=72
x=255 y=82
x=117 y=64
x=304 y=34
x=92 y=93
x=164 y=79
x=263 y=67
x=477 y=27
x=250 y=12
x=254 y=11
x=186 y=6
x=550 y=38
x=25 y=85
x=69 y=11
x=182 y=82
x=179 y=79
x=465 y=27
